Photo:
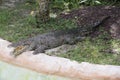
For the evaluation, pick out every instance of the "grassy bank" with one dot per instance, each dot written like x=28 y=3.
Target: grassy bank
x=17 y=24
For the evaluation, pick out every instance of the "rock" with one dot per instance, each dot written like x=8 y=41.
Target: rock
x=60 y=50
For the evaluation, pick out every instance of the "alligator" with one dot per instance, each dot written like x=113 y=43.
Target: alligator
x=49 y=40
x=45 y=41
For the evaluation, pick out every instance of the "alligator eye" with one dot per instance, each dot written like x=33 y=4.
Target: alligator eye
x=48 y=46
x=19 y=47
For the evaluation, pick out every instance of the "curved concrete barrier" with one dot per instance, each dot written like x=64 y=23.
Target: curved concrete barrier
x=59 y=66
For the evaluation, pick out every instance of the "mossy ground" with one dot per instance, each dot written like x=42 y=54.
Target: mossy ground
x=14 y=27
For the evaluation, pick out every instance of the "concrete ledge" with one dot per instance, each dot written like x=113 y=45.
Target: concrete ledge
x=59 y=66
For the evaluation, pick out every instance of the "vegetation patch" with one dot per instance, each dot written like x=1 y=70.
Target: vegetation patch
x=95 y=50
x=17 y=23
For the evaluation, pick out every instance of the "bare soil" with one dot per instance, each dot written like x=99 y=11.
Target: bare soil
x=89 y=15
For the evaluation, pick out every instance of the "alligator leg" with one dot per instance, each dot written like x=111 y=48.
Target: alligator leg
x=72 y=41
x=40 y=49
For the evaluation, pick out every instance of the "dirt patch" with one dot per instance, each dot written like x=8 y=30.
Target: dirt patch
x=89 y=15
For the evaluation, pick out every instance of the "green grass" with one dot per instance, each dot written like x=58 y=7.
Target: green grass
x=14 y=26
x=96 y=50
x=93 y=50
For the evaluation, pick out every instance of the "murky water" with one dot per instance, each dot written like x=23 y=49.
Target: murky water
x=11 y=72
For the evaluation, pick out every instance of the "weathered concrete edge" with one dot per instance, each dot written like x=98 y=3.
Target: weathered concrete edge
x=59 y=66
